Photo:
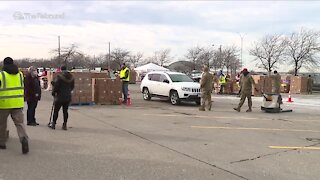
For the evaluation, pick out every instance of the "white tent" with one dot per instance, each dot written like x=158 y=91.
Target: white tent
x=150 y=67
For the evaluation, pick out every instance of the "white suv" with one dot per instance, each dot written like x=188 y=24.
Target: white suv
x=173 y=85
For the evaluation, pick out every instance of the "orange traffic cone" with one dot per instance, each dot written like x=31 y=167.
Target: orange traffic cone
x=128 y=99
x=289 y=98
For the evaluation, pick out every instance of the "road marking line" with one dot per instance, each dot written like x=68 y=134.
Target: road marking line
x=197 y=116
x=294 y=147
x=257 y=129
x=223 y=117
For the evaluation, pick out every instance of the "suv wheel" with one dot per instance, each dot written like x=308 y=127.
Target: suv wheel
x=174 y=98
x=146 y=94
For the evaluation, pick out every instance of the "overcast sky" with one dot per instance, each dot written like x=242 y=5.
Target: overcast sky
x=30 y=28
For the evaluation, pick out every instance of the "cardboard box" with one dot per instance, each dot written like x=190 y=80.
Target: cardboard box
x=106 y=91
x=133 y=77
x=298 y=85
x=263 y=84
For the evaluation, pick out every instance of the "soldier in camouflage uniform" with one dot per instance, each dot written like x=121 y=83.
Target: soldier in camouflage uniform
x=206 y=89
x=310 y=85
x=276 y=78
x=246 y=84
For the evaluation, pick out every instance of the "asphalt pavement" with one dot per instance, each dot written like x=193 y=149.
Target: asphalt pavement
x=155 y=140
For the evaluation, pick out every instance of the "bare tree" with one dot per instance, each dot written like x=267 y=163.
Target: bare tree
x=302 y=49
x=151 y=59
x=119 y=56
x=206 y=56
x=217 y=60
x=163 y=56
x=269 y=51
x=66 y=54
x=193 y=55
x=229 y=58
x=136 y=59
x=235 y=65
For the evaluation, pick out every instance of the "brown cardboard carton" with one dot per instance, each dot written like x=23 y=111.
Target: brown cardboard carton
x=298 y=85
x=133 y=75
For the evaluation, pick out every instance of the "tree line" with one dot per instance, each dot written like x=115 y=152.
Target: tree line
x=298 y=50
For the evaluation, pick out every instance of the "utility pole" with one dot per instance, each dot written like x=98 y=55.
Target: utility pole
x=59 y=56
x=241 y=37
x=212 y=56
x=109 y=58
x=220 y=55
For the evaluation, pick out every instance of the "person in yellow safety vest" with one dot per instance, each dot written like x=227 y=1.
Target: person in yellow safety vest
x=12 y=102
x=125 y=77
x=222 y=82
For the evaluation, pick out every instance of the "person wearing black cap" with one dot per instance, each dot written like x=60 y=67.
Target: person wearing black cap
x=62 y=87
x=246 y=83
x=12 y=103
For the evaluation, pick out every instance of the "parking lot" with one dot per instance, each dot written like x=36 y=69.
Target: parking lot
x=155 y=140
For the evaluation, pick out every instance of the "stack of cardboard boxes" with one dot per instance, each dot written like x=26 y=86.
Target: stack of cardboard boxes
x=298 y=85
x=263 y=84
x=106 y=91
x=82 y=92
x=228 y=88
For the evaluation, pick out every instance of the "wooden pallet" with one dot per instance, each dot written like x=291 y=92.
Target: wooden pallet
x=109 y=103
x=83 y=104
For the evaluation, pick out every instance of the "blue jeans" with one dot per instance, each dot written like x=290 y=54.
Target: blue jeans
x=125 y=90
x=31 y=112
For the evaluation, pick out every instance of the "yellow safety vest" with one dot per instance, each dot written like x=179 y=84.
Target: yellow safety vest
x=123 y=74
x=11 y=90
x=222 y=80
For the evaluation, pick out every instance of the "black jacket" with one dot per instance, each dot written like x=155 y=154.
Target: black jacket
x=32 y=88
x=62 y=87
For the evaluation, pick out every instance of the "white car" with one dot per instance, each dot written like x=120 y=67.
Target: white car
x=173 y=85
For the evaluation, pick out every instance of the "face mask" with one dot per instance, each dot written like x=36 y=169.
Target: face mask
x=34 y=73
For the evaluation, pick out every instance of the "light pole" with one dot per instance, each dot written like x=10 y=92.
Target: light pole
x=59 y=54
x=241 y=36
x=109 y=58
x=212 y=56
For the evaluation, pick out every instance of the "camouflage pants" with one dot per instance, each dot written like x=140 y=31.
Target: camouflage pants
x=243 y=97
x=206 y=100
x=309 y=89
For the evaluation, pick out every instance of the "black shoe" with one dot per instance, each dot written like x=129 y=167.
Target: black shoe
x=124 y=102
x=53 y=126
x=64 y=126
x=25 y=146
x=32 y=124
x=37 y=124
x=3 y=147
